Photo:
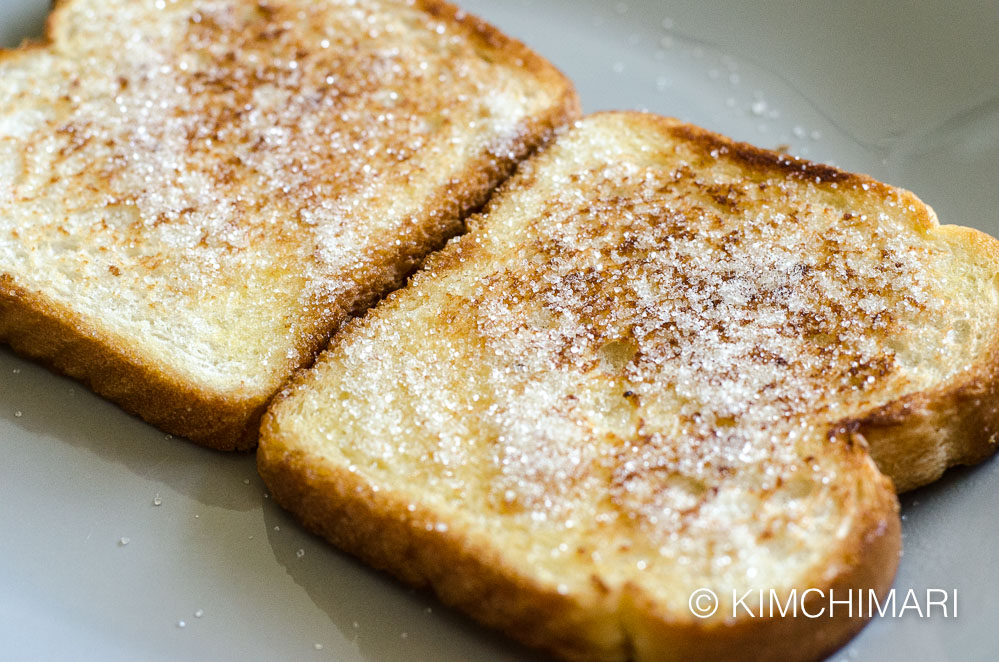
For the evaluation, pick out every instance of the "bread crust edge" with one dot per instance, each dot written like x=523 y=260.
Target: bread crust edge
x=916 y=438
x=866 y=559
x=379 y=527
x=66 y=344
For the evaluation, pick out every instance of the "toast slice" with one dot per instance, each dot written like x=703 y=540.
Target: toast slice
x=194 y=194
x=650 y=368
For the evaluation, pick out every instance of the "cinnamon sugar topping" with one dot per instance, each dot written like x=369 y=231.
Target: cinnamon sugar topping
x=266 y=159
x=654 y=337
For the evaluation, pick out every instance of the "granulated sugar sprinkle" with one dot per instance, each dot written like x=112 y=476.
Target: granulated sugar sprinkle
x=630 y=341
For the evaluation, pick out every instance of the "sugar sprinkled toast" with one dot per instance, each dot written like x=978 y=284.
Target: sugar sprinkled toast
x=652 y=366
x=195 y=193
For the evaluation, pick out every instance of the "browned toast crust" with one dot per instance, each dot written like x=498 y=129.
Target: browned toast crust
x=382 y=530
x=915 y=439
x=387 y=532
x=64 y=343
x=865 y=561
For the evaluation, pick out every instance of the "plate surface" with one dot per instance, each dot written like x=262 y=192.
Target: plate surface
x=117 y=543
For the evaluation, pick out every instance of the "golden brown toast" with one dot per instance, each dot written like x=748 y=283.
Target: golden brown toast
x=195 y=194
x=652 y=366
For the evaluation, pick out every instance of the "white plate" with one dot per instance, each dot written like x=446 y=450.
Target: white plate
x=905 y=91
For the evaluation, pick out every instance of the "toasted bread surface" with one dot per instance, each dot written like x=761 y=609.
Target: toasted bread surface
x=194 y=194
x=653 y=365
